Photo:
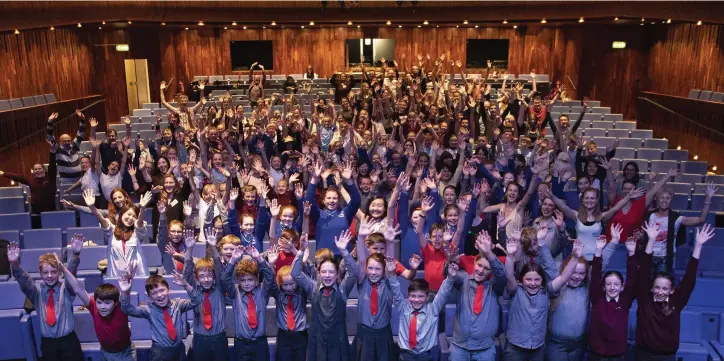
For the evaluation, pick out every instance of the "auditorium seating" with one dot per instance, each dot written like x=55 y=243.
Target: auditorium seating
x=24 y=102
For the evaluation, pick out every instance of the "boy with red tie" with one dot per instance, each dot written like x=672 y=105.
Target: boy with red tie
x=165 y=316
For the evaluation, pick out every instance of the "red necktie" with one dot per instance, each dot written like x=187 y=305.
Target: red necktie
x=50 y=308
x=251 y=311
x=170 y=328
x=207 y=311
x=327 y=291
x=413 y=330
x=290 y=313
x=373 y=299
x=478 y=303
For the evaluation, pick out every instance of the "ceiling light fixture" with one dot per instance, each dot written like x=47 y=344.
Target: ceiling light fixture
x=581 y=20
x=17 y=32
x=163 y=24
x=358 y=26
x=505 y=21
x=544 y=21
x=643 y=19
x=515 y=26
x=349 y=23
x=233 y=23
x=615 y=19
x=476 y=26
x=100 y=28
x=201 y=23
x=103 y=22
x=52 y=28
x=302 y=26
x=80 y=25
x=244 y=27
x=389 y=22
x=419 y=26
x=698 y=23
x=399 y=26
x=668 y=21
x=311 y=23
x=273 y=23
x=187 y=28
x=425 y=23
x=130 y=22
x=465 y=22
x=226 y=28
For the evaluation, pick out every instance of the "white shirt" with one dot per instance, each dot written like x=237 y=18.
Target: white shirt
x=109 y=182
x=663 y=222
x=90 y=181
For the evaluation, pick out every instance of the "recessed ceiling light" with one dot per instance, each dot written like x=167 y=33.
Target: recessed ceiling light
x=615 y=19
x=698 y=22
x=515 y=26
x=233 y=23
x=163 y=24
x=349 y=23
x=17 y=32
x=244 y=27
x=399 y=26
x=201 y=23
x=668 y=21
x=358 y=26
x=100 y=28
x=52 y=28
x=653 y=22
x=425 y=23
x=476 y=26
x=581 y=20
x=643 y=19
x=130 y=22
x=457 y=26
x=465 y=22
x=80 y=25
x=103 y=22
x=226 y=28
x=274 y=23
x=263 y=27
x=543 y=21
x=437 y=26
x=311 y=23
x=302 y=26
x=187 y=28
x=505 y=21
x=419 y=26
x=389 y=22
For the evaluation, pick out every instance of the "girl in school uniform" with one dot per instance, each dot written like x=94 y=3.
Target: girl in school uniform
x=332 y=219
x=529 y=293
x=328 y=331
x=124 y=237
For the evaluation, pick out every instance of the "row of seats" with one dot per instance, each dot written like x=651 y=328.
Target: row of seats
x=579 y=109
x=56 y=219
x=282 y=77
x=24 y=102
x=707 y=95
x=588 y=118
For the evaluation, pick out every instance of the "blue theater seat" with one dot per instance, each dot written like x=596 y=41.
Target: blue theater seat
x=13 y=236
x=15 y=222
x=94 y=234
x=88 y=267
x=60 y=219
x=42 y=238
x=9 y=205
x=87 y=220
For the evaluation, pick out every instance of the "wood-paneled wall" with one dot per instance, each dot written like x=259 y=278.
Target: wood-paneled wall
x=43 y=61
x=686 y=56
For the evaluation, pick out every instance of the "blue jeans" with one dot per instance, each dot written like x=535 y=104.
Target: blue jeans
x=460 y=354
x=515 y=353
x=557 y=350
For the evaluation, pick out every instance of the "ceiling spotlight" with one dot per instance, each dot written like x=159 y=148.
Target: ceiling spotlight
x=349 y=23
x=263 y=27
x=226 y=28
x=201 y=23
x=713 y=168
x=505 y=21
x=678 y=147
x=419 y=26
x=696 y=157
x=465 y=22
x=476 y=26
x=163 y=24
x=457 y=26
x=425 y=23
x=581 y=20
x=52 y=28
x=437 y=26
x=615 y=19
x=80 y=25
x=17 y=32
x=668 y=21
x=103 y=22
x=698 y=22
x=100 y=28
x=274 y=23
x=244 y=27
x=302 y=26
x=642 y=24
x=187 y=28
x=653 y=22
x=399 y=26
x=233 y=23
x=130 y=22
x=515 y=26
x=388 y=22
x=358 y=26
x=643 y=19
x=311 y=23
x=543 y=21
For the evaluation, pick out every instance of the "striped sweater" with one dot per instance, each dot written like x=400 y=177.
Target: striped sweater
x=68 y=161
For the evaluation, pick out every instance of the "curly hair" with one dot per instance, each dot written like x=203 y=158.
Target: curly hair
x=247 y=267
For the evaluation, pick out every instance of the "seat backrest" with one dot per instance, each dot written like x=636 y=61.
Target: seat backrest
x=625 y=153
x=11 y=192
x=12 y=236
x=16 y=103
x=90 y=257
x=50 y=98
x=696 y=167
x=619 y=133
x=12 y=205
x=705 y=95
x=94 y=234
x=620 y=124
x=717 y=97
x=42 y=238
x=39 y=100
x=60 y=219
x=15 y=221
x=29 y=257
x=28 y=101
x=4 y=105
x=676 y=154
x=694 y=93
x=642 y=133
x=630 y=142
x=656 y=143
x=649 y=153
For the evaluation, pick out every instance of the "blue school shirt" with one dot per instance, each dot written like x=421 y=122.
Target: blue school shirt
x=409 y=243
x=330 y=224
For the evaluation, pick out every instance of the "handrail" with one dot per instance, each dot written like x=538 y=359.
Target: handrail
x=47 y=104
x=682 y=116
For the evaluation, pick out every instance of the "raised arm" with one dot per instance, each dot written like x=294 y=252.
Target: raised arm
x=567 y=272
x=711 y=189
x=659 y=186
x=511 y=248
x=90 y=200
x=612 y=211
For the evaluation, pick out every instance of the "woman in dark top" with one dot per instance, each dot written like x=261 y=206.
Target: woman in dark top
x=42 y=184
x=290 y=86
x=343 y=84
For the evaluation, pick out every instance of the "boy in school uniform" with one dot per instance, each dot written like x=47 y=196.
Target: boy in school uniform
x=477 y=310
x=53 y=301
x=417 y=334
x=165 y=316
x=249 y=302
x=209 y=340
x=109 y=321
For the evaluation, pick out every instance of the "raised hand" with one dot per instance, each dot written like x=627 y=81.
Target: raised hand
x=188 y=209
x=484 y=243
x=343 y=240
x=145 y=199
x=67 y=204
x=274 y=208
x=652 y=230
x=233 y=194
x=304 y=243
x=511 y=247
x=637 y=193
x=427 y=204
x=347 y=171
x=704 y=234
x=452 y=270
x=212 y=236
x=189 y=238
x=161 y=206
x=253 y=252
x=601 y=242
x=711 y=190
x=429 y=183
x=448 y=235
x=578 y=248
x=76 y=243
x=89 y=197
x=478 y=188
x=559 y=219
x=365 y=227
x=415 y=261
x=631 y=246
x=272 y=254
x=390 y=233
x=390 y=265
x=263 y=189
x=616 y=230
x=13 y=252
x=237 y=253
x=179 y=279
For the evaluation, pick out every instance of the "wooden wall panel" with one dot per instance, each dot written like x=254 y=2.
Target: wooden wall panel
x=43 y=61
x=111 y=71
x=686 y=56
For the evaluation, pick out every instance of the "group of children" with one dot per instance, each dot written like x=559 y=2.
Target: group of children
x=411 y=173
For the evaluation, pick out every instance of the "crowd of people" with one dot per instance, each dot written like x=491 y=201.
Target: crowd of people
x=410 y=172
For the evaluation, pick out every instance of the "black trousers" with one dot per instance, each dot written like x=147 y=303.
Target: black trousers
x=210 y=348
x=66 y=348
x=291 y=346
x=160 y=353
x=251 y=350
x=646 y=355
x=409 y=356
